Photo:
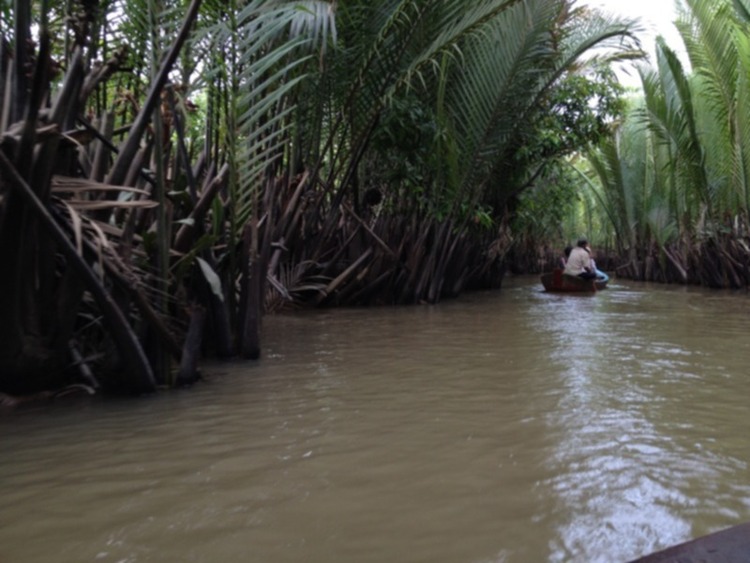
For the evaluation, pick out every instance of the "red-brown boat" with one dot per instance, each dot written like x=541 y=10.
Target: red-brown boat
x=556 y=280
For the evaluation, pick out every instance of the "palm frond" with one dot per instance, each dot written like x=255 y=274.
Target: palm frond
x=742 y=152
x=503 y=81
x=316 y=21
x=706 y=32
x=495 y=84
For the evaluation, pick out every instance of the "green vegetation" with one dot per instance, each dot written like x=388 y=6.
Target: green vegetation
x=671 y=188
x=171 y=170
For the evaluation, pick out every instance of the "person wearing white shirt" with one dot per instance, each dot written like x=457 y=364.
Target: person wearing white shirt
x=579 y=262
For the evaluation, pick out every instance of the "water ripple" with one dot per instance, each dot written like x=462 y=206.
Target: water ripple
x=512 y=427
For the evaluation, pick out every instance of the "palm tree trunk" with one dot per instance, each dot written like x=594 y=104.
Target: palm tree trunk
x=131 y=353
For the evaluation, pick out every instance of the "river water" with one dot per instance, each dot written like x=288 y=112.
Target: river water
x=511 y=426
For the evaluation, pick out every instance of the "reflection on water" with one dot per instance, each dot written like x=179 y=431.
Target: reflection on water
x=515 y=426
x=639 y=465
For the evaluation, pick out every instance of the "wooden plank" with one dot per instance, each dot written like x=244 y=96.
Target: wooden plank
x=727 y=546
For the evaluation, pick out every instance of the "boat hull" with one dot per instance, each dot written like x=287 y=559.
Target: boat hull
x=556 y=280
x=727 y=546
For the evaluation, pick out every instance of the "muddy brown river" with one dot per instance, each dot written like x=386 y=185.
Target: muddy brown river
x=513 y=427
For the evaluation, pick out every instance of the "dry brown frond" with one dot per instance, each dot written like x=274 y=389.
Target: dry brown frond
x=75 y=185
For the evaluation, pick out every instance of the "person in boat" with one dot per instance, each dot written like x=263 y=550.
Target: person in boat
x=564 y=259
x=591 y=258
x=594 y=268
x=579 y=262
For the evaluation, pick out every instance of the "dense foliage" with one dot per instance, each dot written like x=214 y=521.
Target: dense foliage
x=173 y=169
x=674 y=183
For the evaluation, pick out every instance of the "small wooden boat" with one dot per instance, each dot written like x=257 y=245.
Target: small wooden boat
x=556 y=280
x=727 y=546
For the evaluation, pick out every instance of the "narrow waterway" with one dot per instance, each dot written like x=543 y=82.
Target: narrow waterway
x=514 y=426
